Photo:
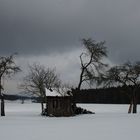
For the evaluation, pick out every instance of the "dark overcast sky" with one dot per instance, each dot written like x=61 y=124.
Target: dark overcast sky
x=45 y=27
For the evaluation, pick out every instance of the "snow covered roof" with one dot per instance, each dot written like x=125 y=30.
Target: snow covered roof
x=53 y=93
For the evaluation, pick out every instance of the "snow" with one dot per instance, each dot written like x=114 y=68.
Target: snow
x=111 y=122
x=51 y=93
x=55 y=93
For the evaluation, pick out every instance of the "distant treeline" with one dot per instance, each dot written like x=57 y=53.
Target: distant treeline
x=13 y=97
x=113 y=95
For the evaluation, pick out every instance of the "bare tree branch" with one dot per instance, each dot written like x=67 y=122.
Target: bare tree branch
x=38 y=79
x=91 y=61
x=7 y=69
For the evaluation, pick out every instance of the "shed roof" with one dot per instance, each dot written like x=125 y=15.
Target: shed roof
x=51 y=93
x=54 y=93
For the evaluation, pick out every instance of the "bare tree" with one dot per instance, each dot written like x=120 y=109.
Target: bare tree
x=91 y=61
x=133 y=72
x=7 y=69
x=52 y=80
x=127 y=75
x=64 y=89
x=38 y=79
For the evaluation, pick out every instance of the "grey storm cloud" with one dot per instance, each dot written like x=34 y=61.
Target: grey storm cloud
x=49 y=32
x=45 y=26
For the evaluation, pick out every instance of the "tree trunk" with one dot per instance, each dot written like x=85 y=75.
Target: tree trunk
x=81 y=76
x=2 y=106
x=79 y=85
x=46 y=101
x=2 y=101
x=130 y=107
x=134 y=103
x=134 y=108
x=42 y=107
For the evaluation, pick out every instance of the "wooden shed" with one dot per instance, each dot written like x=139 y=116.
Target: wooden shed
x=60 y=106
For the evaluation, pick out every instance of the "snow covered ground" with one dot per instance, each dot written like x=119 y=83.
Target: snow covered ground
x=111 y=122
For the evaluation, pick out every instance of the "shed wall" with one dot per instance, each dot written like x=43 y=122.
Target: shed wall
x=59 y=106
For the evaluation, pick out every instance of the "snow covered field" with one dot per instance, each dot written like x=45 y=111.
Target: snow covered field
x=111 y=122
